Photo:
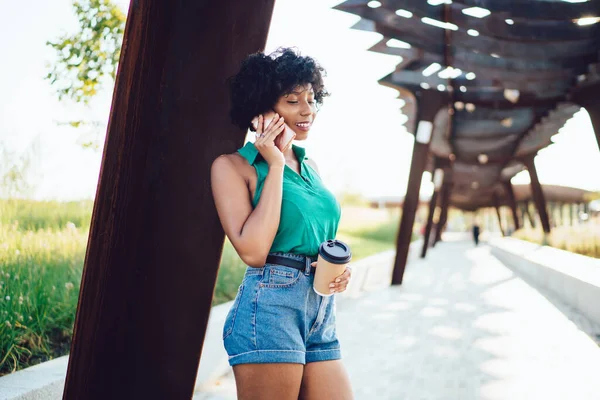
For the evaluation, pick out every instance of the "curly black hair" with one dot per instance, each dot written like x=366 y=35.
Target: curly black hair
x=262 y=79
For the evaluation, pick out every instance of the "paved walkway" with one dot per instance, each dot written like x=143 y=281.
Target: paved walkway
x=462 y=326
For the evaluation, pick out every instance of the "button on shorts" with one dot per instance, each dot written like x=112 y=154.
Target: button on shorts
x=277 y=317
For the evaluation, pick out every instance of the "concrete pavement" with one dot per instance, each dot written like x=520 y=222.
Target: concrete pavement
x=462 y=326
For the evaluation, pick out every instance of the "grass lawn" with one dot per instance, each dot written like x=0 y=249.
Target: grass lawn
x=42 y=249
x=41 y=259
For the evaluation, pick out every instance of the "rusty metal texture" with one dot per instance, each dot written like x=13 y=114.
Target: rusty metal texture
x=155 y=240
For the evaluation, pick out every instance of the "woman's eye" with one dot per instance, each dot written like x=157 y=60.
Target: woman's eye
x=292 y=102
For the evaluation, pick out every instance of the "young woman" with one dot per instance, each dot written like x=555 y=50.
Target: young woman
x=280 y=335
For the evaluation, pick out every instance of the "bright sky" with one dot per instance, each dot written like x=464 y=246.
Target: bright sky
x=358 y=139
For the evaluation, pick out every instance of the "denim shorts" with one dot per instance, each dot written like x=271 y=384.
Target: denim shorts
x=277 y=317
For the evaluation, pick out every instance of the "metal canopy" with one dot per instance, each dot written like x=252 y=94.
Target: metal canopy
x=509 y=71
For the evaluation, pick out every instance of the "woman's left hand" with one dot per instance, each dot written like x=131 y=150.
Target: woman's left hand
x=341 y=282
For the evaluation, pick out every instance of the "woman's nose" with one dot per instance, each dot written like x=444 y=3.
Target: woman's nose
x=306 y=109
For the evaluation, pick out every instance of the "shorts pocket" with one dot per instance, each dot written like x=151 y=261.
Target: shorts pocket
x=281 y=276
x=230 y=318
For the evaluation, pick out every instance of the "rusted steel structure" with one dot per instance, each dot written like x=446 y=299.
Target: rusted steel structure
x=496 y=78
x=155 y=240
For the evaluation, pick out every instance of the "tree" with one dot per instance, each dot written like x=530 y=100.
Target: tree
x=88 y=59
x=15 y=171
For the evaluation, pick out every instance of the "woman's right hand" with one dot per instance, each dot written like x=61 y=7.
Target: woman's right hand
x=265 y=140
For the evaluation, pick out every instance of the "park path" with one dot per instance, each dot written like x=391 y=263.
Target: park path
x=462 y=326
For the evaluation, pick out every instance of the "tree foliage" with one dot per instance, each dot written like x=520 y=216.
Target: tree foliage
x=86 y=58
x=15 y=171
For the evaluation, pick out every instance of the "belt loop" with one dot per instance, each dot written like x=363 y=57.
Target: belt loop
x=307 y=269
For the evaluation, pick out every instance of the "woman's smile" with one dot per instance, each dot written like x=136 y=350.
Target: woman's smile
x=304 y=126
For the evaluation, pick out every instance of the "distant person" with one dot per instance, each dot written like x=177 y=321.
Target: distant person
x=476 y=233
x=279 y=333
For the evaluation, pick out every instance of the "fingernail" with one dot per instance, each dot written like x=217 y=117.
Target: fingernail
x=338 y=280
x=332 y=291
x=332 y=285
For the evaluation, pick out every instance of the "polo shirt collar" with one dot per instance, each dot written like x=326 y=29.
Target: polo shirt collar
x=252 y=155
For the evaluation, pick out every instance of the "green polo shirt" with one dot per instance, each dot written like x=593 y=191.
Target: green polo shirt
x=310 y=213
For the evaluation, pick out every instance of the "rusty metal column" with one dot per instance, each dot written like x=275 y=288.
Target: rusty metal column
x=529 y=216
x=587 y=97
x=497 y=207
x=571 y=213
x=444 y=204
x=521 y=212
x=438 y=176
x=513 y=204
x=428 y=104
x=538 y=194
x=155 y=239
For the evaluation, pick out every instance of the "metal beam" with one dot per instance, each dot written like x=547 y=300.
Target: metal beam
x=429 y=103
x=538 y=194
x=512 y=203
x=155 y=239
x=495 y=24
x=571 y=214
x=464 y=57
x=423 y=36
x=587 y=96
x=486 y=92
x=528 y=213
x=429 y=224
x=493 y=99
x=432 y=206
x=526 y=9
x=497 y=207
x=445 y=203
x=549 y=10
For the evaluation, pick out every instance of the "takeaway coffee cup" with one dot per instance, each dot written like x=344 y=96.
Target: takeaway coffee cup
x=334 y=255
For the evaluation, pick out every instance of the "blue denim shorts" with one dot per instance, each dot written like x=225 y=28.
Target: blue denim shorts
x=277 y=317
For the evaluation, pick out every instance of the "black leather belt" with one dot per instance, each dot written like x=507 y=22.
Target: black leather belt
x=291 y=262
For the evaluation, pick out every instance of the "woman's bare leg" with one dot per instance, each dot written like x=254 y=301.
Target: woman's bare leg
x=275 y=381
x=325 y=380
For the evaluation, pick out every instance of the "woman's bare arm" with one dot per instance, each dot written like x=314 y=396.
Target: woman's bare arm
x=250 y=231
